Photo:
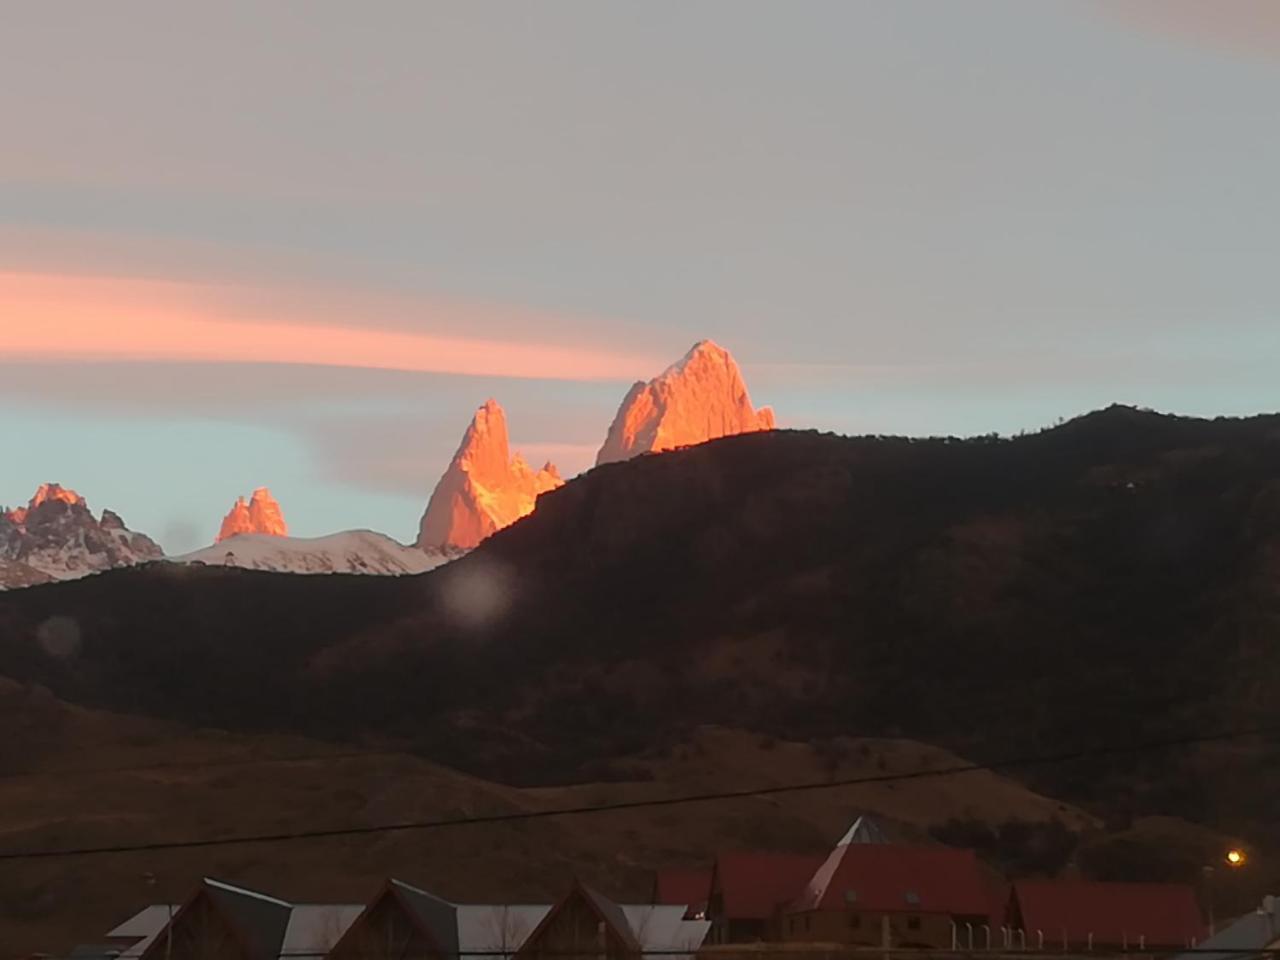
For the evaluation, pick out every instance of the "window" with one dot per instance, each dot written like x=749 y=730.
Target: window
x=913 y=898
x=806 y=923
x=913 y=923
x=791 y=925
x=851 y=896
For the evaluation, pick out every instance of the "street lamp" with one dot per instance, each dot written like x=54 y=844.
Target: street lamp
x=1235 y=858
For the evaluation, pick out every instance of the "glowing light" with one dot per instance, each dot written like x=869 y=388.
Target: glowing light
x=1236 y=858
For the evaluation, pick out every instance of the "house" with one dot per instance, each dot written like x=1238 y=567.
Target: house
x=1252 y=936
x=401 y=921
x=1082 y=914
x=748 y=890
x=894 y=895
x=687 y=886
x=214 y=909
x=588 y=925
x=224 y=922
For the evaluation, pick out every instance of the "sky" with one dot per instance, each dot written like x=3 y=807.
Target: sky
x=296 y=244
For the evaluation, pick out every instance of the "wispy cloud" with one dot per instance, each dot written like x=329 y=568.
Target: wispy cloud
x=1242 y=27
x=60 y=317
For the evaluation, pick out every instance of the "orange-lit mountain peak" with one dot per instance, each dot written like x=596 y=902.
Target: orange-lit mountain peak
x=45 y=493
x=261 y=514
x=485 y=488
x=54 y=491
x=700 y=397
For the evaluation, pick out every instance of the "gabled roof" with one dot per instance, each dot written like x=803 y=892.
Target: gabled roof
x=437 y=917
x=256 y=920
x=259 y=919
x=314 y=928
x=864 y=830
x=893 y=878
x=754 y=885
x=607 y=912
x=1258 y=931
x=688 y=887
x=1161 y=914
x=612 y=914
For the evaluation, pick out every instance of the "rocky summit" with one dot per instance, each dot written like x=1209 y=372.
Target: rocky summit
x=700 y=398
x=485 y=488
x=56 y=537
x=262 y=514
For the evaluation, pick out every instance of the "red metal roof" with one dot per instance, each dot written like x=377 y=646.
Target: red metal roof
x=753 y=885
x=677 y=887
x=893 y=878
x=1165 y=914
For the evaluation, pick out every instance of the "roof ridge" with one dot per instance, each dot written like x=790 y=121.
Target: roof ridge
x=243 y=891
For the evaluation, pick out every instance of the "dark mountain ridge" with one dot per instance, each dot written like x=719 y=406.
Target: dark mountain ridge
x=1112 y=580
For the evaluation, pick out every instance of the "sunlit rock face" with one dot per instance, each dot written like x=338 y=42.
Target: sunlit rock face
x=262 y=514
x=700 y=398
x=45 y=493
x=484 y=489
x=56 y=537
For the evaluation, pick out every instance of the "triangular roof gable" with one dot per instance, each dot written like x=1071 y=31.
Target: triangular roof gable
x=863 y=830
x=262 y=920
x=606 y=911
x=613 y=915
x=437 y=918
x=252 y=929
x=1247 y=937
x=424 y=910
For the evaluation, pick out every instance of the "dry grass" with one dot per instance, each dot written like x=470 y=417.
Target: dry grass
x=51 y=904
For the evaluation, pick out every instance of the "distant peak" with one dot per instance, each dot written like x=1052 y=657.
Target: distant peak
x=262 y=514
x=707 y=348
x=700 y=397
x=485 y=488
x=47 y=492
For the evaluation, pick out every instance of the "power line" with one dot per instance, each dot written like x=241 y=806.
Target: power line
x=652 y=803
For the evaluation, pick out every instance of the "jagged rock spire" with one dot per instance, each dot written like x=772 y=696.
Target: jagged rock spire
x=262 y=514
x=485 y=488
x=700 y=398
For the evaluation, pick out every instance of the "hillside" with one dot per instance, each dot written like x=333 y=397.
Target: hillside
x=88 y=777
x=1115 y=579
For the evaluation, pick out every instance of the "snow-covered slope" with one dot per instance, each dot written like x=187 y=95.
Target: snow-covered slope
x=354 y=551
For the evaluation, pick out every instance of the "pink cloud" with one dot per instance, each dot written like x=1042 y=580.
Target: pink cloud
x=65 y=317
x=1248 y=27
